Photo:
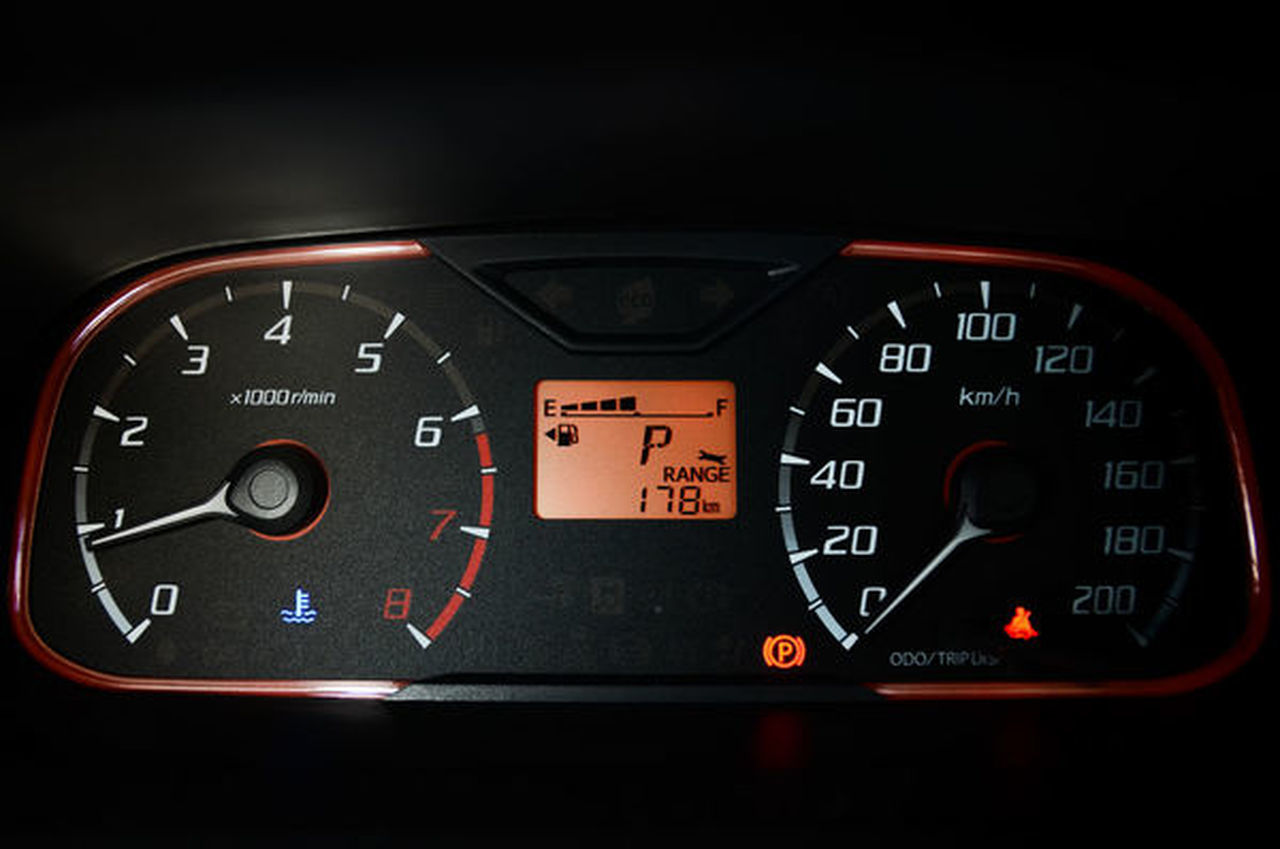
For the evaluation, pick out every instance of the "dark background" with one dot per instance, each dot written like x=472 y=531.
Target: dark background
x=1143 y=141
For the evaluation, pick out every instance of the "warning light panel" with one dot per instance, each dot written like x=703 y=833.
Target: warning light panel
x=635 y=449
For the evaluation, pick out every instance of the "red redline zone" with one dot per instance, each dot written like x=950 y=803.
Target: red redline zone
x=478 y=547
x=455 y=601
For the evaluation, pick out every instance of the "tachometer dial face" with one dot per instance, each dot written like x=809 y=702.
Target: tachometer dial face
x=272 y=468
x=999 y=475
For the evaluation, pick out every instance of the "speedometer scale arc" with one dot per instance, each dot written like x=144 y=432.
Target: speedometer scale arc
x=275 y=464
x=995 y=478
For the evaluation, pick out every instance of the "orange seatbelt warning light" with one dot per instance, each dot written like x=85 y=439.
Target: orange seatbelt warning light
x=1019 y=627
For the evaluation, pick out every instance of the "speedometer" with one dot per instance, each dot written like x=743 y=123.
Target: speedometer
x=998 y=472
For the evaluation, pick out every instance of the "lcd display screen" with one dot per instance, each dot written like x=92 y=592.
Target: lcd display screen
x=635 y=449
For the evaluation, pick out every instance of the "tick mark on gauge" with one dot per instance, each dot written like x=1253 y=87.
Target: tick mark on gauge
x=226 y=290
x=852 y=332
x=422 y=639
x=1031 y=292
x=346 y=291
x=138 y=630
x=89 y=527
x=103 y=413
x=178 y=326
x=469 y=413
x=286 y=292
x=937 y=291
x=1181 y=554
x=130 y=360
x=793 y=460
x=1145 y=376
x=396 y=321
x=482 y=533
x=460 y=591
x=489 y=470
x=896 y=312
x=1076 y=309
x=80 y=470
x=985 y=286
x=446 y=355
x=830 y=375
x=796 y=410
x=801 y=556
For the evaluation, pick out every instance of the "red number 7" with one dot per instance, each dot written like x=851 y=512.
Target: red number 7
x=448 y=517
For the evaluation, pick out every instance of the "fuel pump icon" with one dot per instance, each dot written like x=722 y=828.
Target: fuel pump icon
x=563 y=435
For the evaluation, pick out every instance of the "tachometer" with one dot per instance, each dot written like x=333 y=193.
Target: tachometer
x=272 y=466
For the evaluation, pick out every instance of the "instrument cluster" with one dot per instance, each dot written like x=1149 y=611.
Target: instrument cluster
x=629 y=466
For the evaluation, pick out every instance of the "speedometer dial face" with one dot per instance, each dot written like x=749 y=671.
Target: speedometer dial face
x=998 y=474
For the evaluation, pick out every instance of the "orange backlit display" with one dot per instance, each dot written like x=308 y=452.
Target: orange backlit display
x=635 y=449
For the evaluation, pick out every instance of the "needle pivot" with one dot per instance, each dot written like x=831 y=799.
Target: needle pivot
x=995 y=487
x=994 y=494
x=279 y=490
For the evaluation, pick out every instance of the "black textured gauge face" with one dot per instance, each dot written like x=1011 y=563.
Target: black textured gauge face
x=367 y=470
x=268 y=471
x=995 y=474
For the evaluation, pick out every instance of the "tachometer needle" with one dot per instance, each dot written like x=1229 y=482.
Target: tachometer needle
x=967 y=531
x=215 y=507
x=278 y=490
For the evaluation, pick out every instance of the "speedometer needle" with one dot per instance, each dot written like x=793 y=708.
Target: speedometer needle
x=967 y=531
x=215 y=507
